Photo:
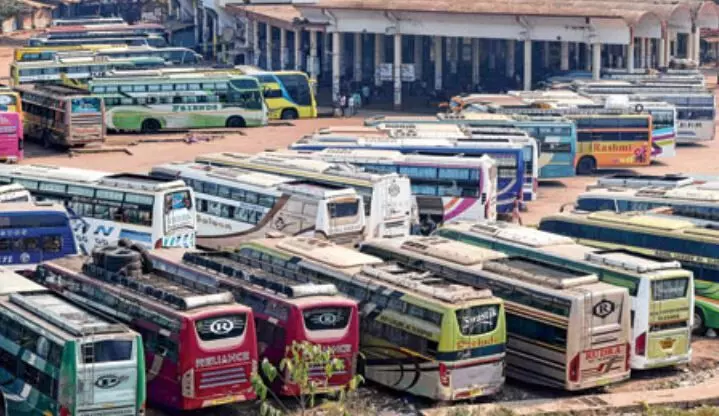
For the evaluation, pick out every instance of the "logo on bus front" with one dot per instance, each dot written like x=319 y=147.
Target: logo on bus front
x=109 y=381
x=222 y=326
x=604 y=308
x=394 y=189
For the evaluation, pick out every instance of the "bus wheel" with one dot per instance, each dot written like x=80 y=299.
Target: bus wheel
x=235 y=122
x=150 y=126
x=586 y=166
x=699 y=327
x=289 y=114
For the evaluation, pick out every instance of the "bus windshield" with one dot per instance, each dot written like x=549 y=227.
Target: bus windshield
x=178 y=210
x=106 y=351
x=326 y=318
x=221 y=327
x=298 y=88
x=246 y=94
x=343 y=209
x=7 y=100
x=478 y=320
x=670 y=288
x=86 y=105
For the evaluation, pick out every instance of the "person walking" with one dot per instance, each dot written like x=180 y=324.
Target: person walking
x=343 y=104
x=366 y=93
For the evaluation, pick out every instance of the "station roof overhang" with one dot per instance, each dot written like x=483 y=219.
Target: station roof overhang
x=282 y=16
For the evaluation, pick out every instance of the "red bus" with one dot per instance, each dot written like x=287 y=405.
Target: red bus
x=11 y=137
x=200 y=345
x=285 y=309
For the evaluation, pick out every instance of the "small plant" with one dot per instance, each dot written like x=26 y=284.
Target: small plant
x=302 y=357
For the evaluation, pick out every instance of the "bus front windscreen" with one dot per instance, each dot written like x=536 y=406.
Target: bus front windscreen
x=7 y=101
x=178 y=210
x=668 y=289
x=478 y=320
x=245 y=93
x=343 y=209
x=326 y=318
x=86 y=105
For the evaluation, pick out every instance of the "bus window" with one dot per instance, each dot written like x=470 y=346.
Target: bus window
x=318 y=319
x=298 y=88
x=343 y=209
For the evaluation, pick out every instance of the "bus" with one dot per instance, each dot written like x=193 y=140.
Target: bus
x=57 y=358
x=444 y=187
x=235 y=205
x=11 y=137
x=175 y=55
x=32 y=232
x=14 y=193
x=88 y=21
x=57 y=115
x=693 y=245
x=76 y=69
x=94 y=31
x=288 y=94
x=419 y=333
x=43 y=53
x=512 y=158
x=10 y=100
x=200 y=346
x=180 y=101
x=387 y=197
x=106 y=207
x=154 y=41
x=661 y=315
x=285 y=309
x=565 y=328
x=555 y=136
x=696 y=108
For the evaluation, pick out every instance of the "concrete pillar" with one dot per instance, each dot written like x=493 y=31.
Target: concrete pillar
x=476 y=61
x=283 y=49
x=527 y=64
x=336 y=53
x=397 y=69
x=326 y=54
x=667 y=47
x=492 y=54
x=588 y=57
x=596 y=60
x=647 y=48
x=630 y=55
x=564 y=58
x=313 y=64
x=662 y=51
x=358 y=57
x=642 y=55
x=696 y=36
x=545 y=54
x=378 y=57
x=268 y=46
x=205 y=38
x=511 y=52
x=452 y=45
x=298 y=49
x=577 y=54
x=256 y=43
x=418 y=57
x=438 y=58
x=196 y=21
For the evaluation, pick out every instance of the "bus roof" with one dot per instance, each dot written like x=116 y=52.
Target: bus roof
x=52 y=91
x=360 y=155
x=11 y=282
x=441 y=248
x=510 y=232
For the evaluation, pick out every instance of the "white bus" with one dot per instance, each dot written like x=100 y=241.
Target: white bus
x=106 y=207
x=14 y=193
x=565 y=328
x=387 y=198
x=234 y=205
x=661 y=291
x=444 y=187
x=57 y=358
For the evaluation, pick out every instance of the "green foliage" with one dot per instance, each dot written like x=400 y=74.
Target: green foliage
x=295 y=368
x=9 y=8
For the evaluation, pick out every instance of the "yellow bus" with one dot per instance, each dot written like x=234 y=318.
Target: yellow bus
x=48 y=53
x=288 y=93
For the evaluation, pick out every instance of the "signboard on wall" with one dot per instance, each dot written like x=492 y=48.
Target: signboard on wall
x=384 y=72
x=406 y=73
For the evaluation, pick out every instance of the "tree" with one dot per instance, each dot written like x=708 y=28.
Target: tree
x=300 y=358
x=8 y=9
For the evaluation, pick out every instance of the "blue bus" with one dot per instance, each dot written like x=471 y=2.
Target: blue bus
x=33 y=232
x=508 y=157
x=556 y=136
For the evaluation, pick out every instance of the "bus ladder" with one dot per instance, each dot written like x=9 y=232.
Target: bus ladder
x=88 y=372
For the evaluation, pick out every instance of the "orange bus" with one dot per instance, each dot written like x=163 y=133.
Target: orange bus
x=612 y=141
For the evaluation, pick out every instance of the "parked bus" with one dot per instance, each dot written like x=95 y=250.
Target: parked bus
x=234 y=205
x=32 y=232
x=173 y=54
x=661 y=314
x=180 y=101
x=512 y=158
x=288 y=94
x=57 y=358
x=11 y=137
x=444 y=187
x=91 y=31
x=10 y=100
x=565 y=328
x=76 y=70
x=61 y=115
x=695 y=246
x=420 y=334
x=285 y=309
x=154 y=41
x=387 y=197
x=88 y=21
x=105 y=207
x=696 y=108
x=200 y=346
x=43 y=53
x=14 y=193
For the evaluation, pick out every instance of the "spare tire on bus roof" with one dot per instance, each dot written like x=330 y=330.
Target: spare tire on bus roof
x=639 y=108
x=119 y=258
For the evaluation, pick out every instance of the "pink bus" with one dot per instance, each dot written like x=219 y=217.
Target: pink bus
x=11 y=139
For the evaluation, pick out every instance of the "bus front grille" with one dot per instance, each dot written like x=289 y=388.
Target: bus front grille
x=219 y=378
x=119 y=411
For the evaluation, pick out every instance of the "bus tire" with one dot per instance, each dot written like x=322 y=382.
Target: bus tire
x=3 y=403
x=699 y=327
x=150 y=125
x=586 y=165
x=235 y=122
x=289 y=114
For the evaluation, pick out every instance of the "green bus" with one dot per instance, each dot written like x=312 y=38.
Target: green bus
x=696 y=246
x=661 y=291
x=58 y=359
x=147 y=102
